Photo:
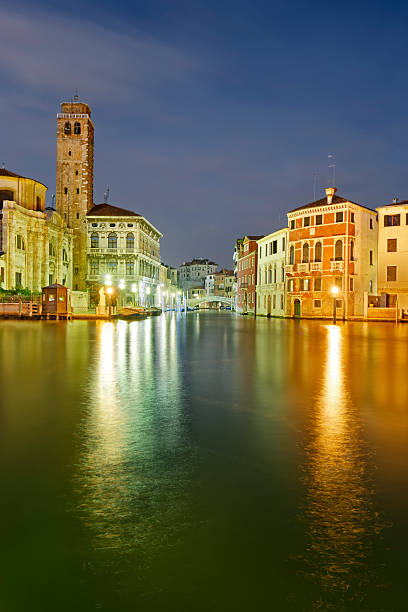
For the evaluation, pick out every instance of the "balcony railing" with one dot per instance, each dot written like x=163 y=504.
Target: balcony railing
x=337 y=266
x=316 y=266
x=303 y=267
x=289 y=269
x=118 y=251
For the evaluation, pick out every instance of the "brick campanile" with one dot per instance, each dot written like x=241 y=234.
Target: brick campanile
x=74 y=185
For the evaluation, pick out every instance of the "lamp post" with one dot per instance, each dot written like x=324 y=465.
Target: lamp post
x=109 y=291
x=334 y=291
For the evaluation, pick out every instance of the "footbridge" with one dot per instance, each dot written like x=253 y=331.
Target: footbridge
x=209 y=299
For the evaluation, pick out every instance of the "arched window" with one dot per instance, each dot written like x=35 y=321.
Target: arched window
x=338 y=250
x=282 y=274
x=51 y=249
x=94 y=241
x=270 y=275
x=274 y=274
x=130 y=241
x=67 y=128
x=77 y=127
x=266 y=276
x=352 y=250
x=318 y=251
x=305 y=253
x=64 y=256
x=6 y=194
x=112 y=241
x=38 y=203
x=292 y=255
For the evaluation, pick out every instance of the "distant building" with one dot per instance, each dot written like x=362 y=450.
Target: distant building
x=209 y=284
x=270 y=287
x=238 y=243
x=223 y=282
x=35 y=244
x=193 y=273
x=124 y=248
x=247 y=273
x=332 y=243
x=393 y=254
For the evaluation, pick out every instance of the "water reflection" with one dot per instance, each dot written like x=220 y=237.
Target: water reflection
x=339 y=506
x=132 y=424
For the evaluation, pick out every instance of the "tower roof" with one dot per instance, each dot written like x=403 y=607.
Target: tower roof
x=107 y=210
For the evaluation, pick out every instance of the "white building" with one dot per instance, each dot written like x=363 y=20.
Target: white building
x=125 y=248
x=209 y=284
x=270 y=288
x=193 y=273
x=393 y=254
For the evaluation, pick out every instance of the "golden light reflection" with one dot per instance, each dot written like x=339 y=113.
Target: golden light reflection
x=339 y=497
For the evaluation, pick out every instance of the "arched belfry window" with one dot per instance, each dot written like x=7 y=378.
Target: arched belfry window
x=305 y=253
x=67 y=128
x=292 y=255
x=77 y=127
x=318 y=251
x=94 y=241
x=338 y=250
x=6 y=194
x=112 y=241
x=130 y=241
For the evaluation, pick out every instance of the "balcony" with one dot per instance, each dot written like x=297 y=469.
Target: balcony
x=303 y=267
x=289 y=269
x=316 y=266
x=337 y=266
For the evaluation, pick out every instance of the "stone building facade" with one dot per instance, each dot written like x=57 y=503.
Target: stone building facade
x=332 y=245
x=123 y=248
x=35 y=244
x=270 y=288
x=74 y=181
x=247 y=268
x=192 y=274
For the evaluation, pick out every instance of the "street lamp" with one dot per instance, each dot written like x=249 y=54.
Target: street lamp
x=334 y=291
x=109 y=291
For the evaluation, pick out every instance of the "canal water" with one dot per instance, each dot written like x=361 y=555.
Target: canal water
x=203 y=462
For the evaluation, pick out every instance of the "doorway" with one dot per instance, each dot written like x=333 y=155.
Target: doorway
x=296 y=309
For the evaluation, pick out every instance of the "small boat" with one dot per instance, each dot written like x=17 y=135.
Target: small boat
x=155 y=311
x=131 y=314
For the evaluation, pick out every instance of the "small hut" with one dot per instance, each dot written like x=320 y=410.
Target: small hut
x=56 y=302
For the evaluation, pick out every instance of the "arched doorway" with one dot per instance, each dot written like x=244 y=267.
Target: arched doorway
x=296 y=309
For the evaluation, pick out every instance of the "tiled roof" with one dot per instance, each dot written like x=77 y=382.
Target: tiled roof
x=323 y=202
x=404 y=202
x=5 y=172
x=254 y=237
x=107 y=210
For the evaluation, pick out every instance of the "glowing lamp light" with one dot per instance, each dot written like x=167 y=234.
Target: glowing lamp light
x=109 y=291
x=147 y=290
x=334 y=290
x=121 y=284
x=108 y=280
x=134 y=288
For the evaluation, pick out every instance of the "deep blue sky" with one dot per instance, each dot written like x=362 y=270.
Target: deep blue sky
x=211 y=117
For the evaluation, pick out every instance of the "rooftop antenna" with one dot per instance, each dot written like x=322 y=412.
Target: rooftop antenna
x=76 y=96
x=315 y=175
x=3 y=166
x=332 y=164
x=106 y=195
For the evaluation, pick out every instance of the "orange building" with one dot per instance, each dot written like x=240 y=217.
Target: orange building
x=332 y=247
x=247 y=274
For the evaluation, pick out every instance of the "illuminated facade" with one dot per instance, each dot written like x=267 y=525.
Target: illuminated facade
x=247 y=267
x=393 y=254
x=270 y=289
x=123 y=247
x=331 y=243
x=35 y=244
x=193 y=273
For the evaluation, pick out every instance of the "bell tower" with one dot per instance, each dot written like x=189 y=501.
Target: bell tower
x=74 y=185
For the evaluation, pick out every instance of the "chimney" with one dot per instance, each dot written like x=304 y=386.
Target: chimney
x=330 y=191
x=395 y=200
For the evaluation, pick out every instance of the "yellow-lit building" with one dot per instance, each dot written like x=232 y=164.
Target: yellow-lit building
x=35 y=244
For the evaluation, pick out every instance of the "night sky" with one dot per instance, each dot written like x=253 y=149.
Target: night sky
x=211 y=117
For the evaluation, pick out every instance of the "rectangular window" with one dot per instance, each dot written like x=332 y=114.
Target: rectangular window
x=352 y=217
x=94 y=267
x=392 y=245
x=339 y=217
x=337 y=282
x=274 y=247
x=274 y=301
x=77 y=189
x=390 y=220
x=76 y=270
x=317 y=303
x=371 y=286
x=319 y=219
x=65 y=190
x=281 y=301
x=351 y=284
x=291 y=284
x=339 y=303
x=283 y=244
x=372 y=225
x=130 y=268
x=306 y=222
x=406 y=219
x=260 y=252
x=305 y=284
x=19 y=280
x=113 y=266
x=391 y=273
x=318 y=284
x=1 y=275
x=77 y=215
x=292 y=224
x=371 y=258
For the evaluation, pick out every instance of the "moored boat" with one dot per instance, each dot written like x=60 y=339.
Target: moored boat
x=155 y=311
x=131 y=314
